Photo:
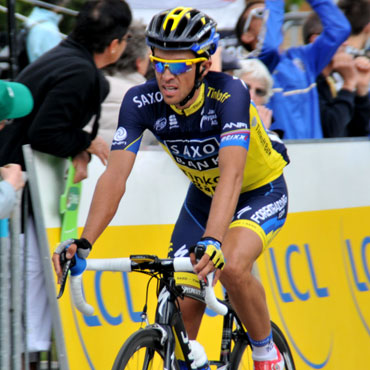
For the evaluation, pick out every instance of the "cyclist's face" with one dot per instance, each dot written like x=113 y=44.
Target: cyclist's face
x=176 y=87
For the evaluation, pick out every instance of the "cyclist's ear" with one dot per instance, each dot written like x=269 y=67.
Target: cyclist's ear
x=204 y=68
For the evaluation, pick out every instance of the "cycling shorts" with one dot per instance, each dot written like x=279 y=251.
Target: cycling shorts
x=262 y=210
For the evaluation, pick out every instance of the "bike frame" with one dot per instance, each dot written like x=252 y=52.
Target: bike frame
x=169 y=321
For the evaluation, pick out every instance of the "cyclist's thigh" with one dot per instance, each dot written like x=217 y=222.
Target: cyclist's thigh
x=191 y=222
x=263 y=210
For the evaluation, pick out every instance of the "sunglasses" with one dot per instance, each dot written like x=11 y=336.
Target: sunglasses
x=258 y=91
x=254 y=13
x=176 y=66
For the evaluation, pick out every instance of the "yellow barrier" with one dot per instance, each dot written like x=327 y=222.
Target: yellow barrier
x=316 y=272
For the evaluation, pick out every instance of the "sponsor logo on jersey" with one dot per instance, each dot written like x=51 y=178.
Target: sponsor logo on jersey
x=271 y=209
x=147 y=99
x=217 y=95
x=173 y=121
x=209 y=118
x=264 y=140
x=238 y=137
x=203 y=183
x=235 y=125
x=120 y=136
x=197 y=154
x=254 y=122
x=160 y=124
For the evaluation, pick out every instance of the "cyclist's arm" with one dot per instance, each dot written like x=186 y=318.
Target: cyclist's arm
x=231 y=164
x=109 y=190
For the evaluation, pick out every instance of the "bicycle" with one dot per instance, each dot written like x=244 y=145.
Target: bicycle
x=159 y=345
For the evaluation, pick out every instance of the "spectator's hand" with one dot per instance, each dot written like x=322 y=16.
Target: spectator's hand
x=344 y=64
x=2 y=125
x=80 y=163
x=265 y=115
x=12 y=173
x=100 y=148
x=362 y=65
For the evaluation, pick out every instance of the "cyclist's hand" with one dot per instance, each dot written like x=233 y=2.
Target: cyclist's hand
x=82 y=246
x=207 y=256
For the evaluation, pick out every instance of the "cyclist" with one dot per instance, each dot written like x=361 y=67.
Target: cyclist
x=237 y=198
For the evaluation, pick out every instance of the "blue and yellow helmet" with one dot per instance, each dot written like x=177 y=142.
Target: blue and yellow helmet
x=183 y=28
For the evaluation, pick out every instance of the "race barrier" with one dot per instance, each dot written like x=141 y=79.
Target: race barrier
x=316 y=272
x=12 y=291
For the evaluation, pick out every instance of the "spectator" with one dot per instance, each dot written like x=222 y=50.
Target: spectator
x=15 y=101
x=129 y=70
x=230 y=62
x=358 y=15
x=67 y=88
x=43 y=32
x=344 y=111
x=259 y=81
x=295 y=100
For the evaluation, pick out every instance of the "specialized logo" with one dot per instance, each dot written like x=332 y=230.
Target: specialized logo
x=182 y=252
x=217 y=95
x=147 y=99
x=197 y=154
x=162 y=299
x=120 y=136
x=270 y=210
x=243 y=210
x=160 y=124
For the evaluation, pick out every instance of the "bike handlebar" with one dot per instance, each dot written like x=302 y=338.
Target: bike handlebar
x=176 y=264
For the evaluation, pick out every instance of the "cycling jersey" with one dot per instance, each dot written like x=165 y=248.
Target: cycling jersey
x=221 y=116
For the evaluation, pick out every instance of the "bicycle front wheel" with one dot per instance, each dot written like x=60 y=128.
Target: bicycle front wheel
x=142 y=350
x=241 y=355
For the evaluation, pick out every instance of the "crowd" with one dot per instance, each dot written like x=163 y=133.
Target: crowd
x=67 y=101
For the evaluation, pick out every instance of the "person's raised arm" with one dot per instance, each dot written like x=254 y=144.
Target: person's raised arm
x=109 y=190
x=271 y=35
x=336 y=30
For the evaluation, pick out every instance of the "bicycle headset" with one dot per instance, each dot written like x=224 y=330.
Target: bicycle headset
x=184 y=28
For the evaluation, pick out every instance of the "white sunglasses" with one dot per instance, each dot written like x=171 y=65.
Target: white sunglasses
x=254 y=13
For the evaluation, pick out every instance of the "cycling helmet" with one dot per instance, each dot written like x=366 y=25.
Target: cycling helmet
x=183 y=28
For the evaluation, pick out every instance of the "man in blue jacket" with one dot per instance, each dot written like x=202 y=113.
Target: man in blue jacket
x=295 y=102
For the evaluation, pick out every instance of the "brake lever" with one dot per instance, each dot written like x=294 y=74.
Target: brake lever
x=66 y=265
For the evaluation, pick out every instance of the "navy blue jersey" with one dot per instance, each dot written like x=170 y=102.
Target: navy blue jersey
x=222 y=115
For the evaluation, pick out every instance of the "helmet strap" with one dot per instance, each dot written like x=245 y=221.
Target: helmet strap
x=197 y=83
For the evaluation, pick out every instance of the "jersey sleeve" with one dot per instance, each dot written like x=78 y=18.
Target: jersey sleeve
x=234 y=117
x=131 y=124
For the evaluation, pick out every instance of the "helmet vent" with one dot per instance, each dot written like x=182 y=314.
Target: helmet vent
x=159 y=24
x=195 y=29
x=181 y=27
x=167 y=31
